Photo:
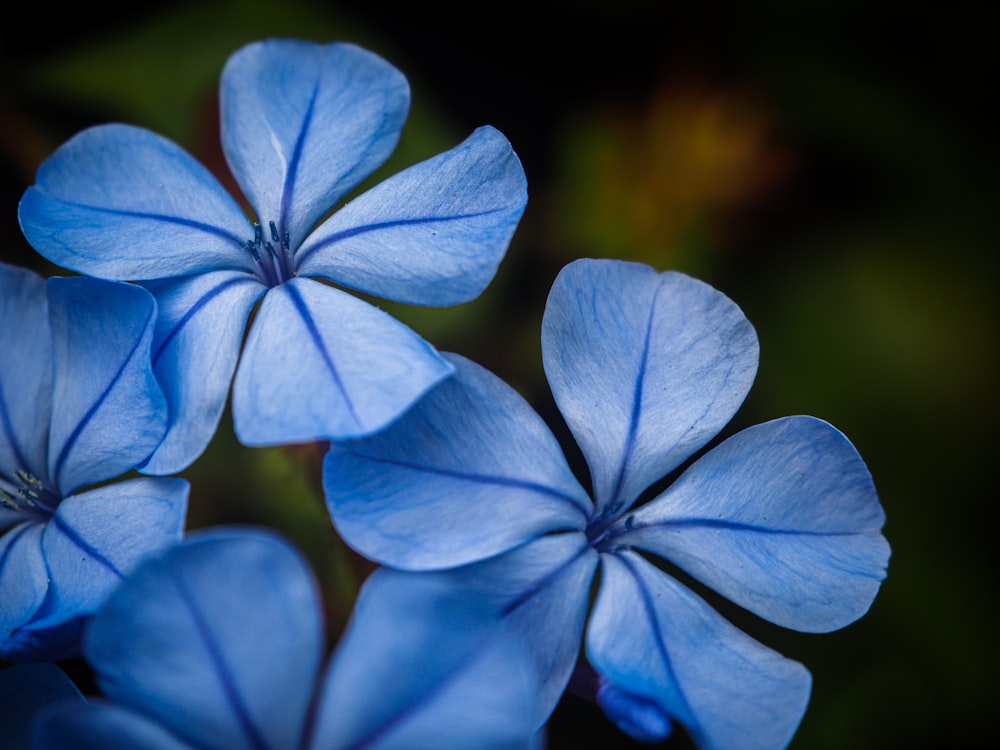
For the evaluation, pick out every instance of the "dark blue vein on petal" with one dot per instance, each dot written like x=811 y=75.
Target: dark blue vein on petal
x=288 y=189
x=320 y=345
x=719 y=523
x=219 y=665
x=8 y=432
x=195 y=309
x=209 y=228
x=365 y=228
x=511 y=482
x=78 y=430
x=613 y=499
x=79 y=541
x=661 y=647
x=544 y=582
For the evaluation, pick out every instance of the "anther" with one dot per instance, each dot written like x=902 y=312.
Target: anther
x=252 y=249
x=274 y=232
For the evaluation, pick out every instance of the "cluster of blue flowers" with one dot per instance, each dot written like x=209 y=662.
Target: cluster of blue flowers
x=502 y=582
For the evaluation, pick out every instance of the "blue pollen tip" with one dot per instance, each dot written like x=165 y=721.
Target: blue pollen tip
x=252 y=249
x=258 y=234
x=274 y=232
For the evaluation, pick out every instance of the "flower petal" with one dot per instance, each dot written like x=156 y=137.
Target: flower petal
x=466 y=681
x=24 y=581
x=645 y=367
x=433 y=234
x=26 y=373
x=468 y=472
x=108 y=410
x=25 y=690
x=304 y=123
x=218 y=640
x=98 y=537
x=321 y=364
x=123 y=203
x=653 y=638
x=199 y=330
x=97 y=725
x=782 y=518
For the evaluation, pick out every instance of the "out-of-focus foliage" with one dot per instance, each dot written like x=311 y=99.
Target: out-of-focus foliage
x=831 y=166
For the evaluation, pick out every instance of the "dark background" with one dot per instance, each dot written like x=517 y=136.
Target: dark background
x=831 y=166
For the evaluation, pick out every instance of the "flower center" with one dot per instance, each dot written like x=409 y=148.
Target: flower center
x=27 y=495
x=273 y=257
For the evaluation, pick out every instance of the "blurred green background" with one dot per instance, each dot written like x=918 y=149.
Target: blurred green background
x=831 y=166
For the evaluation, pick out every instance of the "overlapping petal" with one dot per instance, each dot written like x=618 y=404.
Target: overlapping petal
x=223 y=641
x=320 y=363
x=26 y=378
x=121 y=202
x=24 y=580
x=655 y=639
x=782 y=518
x=664 y=359
x=468 y=472
x=98 y=537
x=432 y=234
x=199 y=332
x=304 y=123
x=26 y=690
x=467 y=682
x=97 y=725
x=108 y=411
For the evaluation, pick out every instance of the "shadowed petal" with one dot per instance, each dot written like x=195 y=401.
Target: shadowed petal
x=433 y=234
x=304 y=123
x=219 y=640
x=645 y=367
x=26 y=373
x=97 y=725
x=782 y=518
x=123 y=203
x=98 y=537
x=108 y=410
x=469 y=471
x=654 y=639
x=199 y=330
x=320 y=363
x=25 y=690
x=467 y=682
x=24 y=581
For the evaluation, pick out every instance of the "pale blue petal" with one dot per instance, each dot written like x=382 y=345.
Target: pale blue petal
x=653 y=638
x=219 y=640
x=304 y=123
x=108 y=411
x=25 y=690
x=25 y=373
x=24 y=581
x=782 y=518
x=542 y=591
x=98 y=537
x=199 y=331
x=97 y=725
x=123 y=203
x=433 y=234
x=470 y=471
x=421 y=665
x=320 y=363
x=646 y=368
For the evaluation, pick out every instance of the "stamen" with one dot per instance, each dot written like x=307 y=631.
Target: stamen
x=274 y=232
x=252 y=249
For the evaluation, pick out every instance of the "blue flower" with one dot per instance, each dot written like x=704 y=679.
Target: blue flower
x=219 y=644
x=302 y=124
x=646 y=369
x=79 y=405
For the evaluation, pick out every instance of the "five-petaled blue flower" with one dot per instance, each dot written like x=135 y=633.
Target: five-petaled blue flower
x=79 y=405
x=302 y=124
x=219 y=644
x=646 y=368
